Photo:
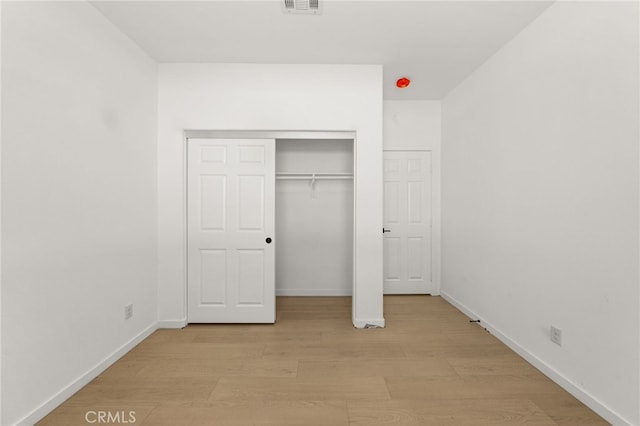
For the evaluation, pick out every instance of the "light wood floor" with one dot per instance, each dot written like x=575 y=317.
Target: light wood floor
x=430 y=366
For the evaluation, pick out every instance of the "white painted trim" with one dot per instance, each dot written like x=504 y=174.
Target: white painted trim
x=185 y=225
x=587 y=399
x=362 y=323
x=178 y=323
x=436 y=209
x=354 y=287
x=638 y=284
x=0 y=220
x=312 y=292
x=269 y=134
x=64 y=394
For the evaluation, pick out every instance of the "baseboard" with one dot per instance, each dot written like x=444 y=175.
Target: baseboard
x=312 y=292
x=60 y=397
x=181 y=323
x=367 y=323
x=575 y=390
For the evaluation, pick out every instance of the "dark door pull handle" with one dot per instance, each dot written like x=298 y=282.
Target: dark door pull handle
x=385 y=230
x=268 y=240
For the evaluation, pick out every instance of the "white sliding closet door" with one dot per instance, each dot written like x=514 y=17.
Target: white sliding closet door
x=407 y=218
x=230 y=221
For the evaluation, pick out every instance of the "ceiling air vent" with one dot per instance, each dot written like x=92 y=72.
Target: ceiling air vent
x=306 y=7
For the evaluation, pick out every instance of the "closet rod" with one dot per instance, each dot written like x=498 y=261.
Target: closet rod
x=310 y=177
x=313 y=176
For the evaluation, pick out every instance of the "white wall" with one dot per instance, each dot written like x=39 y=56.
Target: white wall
x=270 y=97
x=416 y=126
x=79 y=207
x=540 y=199
x=412 y=125
x=314 y=226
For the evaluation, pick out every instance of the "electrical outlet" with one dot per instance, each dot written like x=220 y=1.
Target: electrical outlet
x=128 y=311
x=555 y=334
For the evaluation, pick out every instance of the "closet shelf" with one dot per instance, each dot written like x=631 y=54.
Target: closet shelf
x=313 y=176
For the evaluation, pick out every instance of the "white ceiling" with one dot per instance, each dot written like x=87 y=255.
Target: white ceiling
x=435 y=43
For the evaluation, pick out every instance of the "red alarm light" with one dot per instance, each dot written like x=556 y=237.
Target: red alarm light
x=403 y=82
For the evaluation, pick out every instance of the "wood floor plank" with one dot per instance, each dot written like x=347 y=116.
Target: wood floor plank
x=243 y=388
x=214 y=368
x=310 y=326
x=140 y=391
x=382 y=335
x=332 y=352
x=313 y=316
x=448 y=349
x=187 y=334
x=124 y=369
x=481 y=412
x=430 y=306
x=258 y=337
x=504 y=364
x=414 y=315
x=470 y=387
x=297 y=303
x=376 y=367
x=199 y=350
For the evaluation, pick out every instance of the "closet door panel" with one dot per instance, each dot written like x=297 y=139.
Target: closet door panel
x=415 y=202
x=213 y=202
x=251 y=154
x=251 y=197
x=250 y=277
x=393 y=262
x=415 y=258
x=392 y=202
x=213 y=270
x=213 y=154
x=230 y=215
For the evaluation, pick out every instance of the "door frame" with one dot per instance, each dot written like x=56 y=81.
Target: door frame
x=261 y=134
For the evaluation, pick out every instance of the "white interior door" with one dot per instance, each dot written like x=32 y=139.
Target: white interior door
x=407 y=222
x=231 y=222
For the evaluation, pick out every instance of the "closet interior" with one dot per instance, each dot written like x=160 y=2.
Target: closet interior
x=314 y=217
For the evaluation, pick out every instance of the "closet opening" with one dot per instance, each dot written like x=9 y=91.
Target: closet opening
x=314 y=217
x=267 y=214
